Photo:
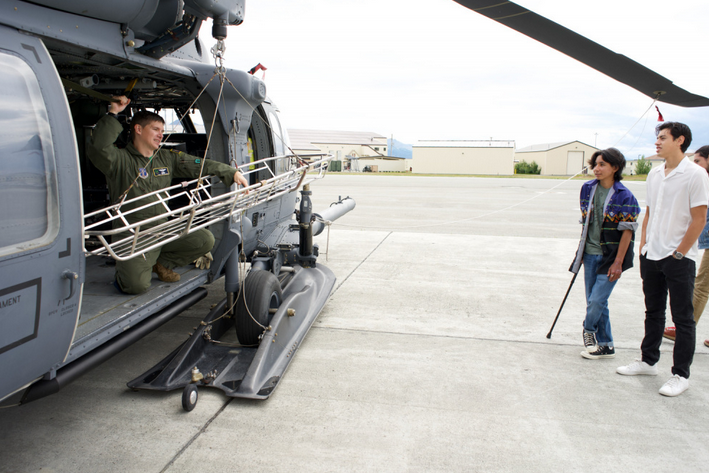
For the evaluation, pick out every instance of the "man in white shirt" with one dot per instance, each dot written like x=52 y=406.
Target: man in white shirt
x=677 y=197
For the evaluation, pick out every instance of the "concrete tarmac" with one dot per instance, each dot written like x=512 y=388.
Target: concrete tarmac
x=431 y=355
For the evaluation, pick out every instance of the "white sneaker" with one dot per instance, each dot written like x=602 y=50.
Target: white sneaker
x=637 y=367
x=675 y=386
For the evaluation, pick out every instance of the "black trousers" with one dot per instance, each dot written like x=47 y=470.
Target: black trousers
x=677 y=277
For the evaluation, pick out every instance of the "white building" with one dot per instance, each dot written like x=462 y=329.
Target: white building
x=353 y=148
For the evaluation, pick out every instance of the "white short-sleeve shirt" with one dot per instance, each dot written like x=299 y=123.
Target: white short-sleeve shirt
x=670 y=199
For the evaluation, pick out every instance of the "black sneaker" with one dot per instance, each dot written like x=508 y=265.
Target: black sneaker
x=589 y=341
x=600 y=352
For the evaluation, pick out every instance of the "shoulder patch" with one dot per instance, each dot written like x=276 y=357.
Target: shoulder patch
x=174 y=151
x=157 y=172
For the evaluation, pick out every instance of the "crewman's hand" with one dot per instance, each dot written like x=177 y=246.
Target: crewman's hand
x=204 y=262
x=240 y=179
x=118 y=107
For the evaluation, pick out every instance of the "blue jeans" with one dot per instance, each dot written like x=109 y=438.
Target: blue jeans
x=598 y=290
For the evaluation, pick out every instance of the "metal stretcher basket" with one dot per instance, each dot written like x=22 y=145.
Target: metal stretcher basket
x=202 y=210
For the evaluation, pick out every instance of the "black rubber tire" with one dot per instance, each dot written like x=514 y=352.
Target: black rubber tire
x=190 y=396
x=262 y=292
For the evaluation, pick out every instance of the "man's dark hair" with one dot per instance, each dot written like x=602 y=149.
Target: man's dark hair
x=703 y=152
x=676 y=130
x=144 y=118
x=613 y=157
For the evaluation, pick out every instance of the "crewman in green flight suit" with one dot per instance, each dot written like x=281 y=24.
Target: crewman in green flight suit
x=121 y=166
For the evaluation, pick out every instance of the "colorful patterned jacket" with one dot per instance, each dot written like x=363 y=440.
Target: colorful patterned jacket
x=620 y=213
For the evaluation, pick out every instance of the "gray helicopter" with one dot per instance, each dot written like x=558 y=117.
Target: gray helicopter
x=61 y=234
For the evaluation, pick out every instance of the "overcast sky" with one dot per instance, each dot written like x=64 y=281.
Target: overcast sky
x=434 y=70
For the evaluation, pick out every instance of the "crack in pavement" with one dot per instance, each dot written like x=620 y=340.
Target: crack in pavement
x=196 y=436
x=360 y=264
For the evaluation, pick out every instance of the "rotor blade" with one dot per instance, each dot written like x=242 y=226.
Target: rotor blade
x=617 y=66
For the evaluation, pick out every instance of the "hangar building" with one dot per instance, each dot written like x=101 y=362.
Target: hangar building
x=492 y=157
x=557 y=159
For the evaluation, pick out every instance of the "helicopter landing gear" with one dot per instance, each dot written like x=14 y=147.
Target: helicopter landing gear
x=190 y=396
x=261 y=293
x=250 y=372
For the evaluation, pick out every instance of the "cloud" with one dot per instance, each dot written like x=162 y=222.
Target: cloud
x=435 y=70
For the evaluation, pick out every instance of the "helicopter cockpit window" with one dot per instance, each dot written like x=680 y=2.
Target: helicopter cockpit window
x=29 y=216
x=280 y=143
x=172 y=121
x=191 y=121
x=184 y=131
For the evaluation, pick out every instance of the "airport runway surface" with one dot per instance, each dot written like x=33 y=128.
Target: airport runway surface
x=431 y=355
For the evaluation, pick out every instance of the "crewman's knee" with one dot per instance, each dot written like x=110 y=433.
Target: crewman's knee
x=207 y=242
x=133 y=285
x=133 y=277
x=202 y=242
x=186 y=249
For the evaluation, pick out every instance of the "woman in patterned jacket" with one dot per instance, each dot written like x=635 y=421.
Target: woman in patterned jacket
x=609 y=214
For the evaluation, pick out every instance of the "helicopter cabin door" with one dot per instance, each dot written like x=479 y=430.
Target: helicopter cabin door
x=41 y=247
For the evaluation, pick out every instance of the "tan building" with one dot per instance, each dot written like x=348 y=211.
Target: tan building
x=491 y=157
x=557 y=159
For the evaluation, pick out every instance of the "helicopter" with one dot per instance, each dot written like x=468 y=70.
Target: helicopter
x=60 y=235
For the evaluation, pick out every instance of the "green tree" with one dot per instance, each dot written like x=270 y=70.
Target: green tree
x=523 y=167
x=642 y=166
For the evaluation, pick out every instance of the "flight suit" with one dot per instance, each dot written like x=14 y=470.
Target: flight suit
x=121 y=166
